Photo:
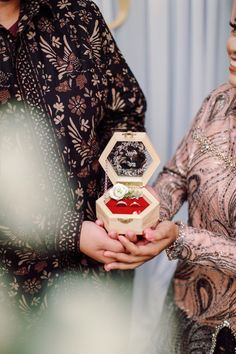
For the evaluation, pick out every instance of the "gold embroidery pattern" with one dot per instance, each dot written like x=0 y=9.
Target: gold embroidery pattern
x=211 y=148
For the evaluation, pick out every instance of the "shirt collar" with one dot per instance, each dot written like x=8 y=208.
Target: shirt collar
x=29 y=9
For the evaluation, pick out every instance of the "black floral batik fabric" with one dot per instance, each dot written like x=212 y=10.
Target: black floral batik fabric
x=64 y=89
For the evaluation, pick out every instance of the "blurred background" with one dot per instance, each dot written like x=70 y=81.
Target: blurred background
x=177 y=51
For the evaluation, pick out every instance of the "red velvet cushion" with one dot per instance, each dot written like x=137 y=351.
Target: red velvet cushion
x=115 y=208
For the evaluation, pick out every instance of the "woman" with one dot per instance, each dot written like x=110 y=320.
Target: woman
x=200 y=311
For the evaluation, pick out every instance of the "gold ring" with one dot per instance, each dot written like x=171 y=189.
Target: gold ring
x=135 y=204
x=121 y=203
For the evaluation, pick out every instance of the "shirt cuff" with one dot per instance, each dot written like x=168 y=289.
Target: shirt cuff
x=69 y=234
x=174 y=251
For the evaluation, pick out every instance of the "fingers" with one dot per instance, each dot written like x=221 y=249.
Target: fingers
x=99 y=256
x=161 y=231
x=99 y=222
x=121 y=266
x=113 y=245
x=129 y=246
x=142 y=242
x=165 y=230
x=131 y=236
x=150 y=235
x=142 y=248
x=124 y=257
x=113 y=234
x=138 y=254
x=148 y=250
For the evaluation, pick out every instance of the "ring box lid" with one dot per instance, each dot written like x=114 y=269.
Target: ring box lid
x=129 y=158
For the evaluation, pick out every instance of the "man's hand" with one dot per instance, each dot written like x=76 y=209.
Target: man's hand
x=94 y=241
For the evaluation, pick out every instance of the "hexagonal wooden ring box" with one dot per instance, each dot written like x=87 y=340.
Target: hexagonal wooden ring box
x=129 y=161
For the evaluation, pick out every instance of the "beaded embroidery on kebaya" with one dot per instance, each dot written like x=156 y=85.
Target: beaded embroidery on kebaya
x=225 y=324
x=208 y=146
x=201 y=292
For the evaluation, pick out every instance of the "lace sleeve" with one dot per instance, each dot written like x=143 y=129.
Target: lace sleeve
x=206 y=248
x=171 y=184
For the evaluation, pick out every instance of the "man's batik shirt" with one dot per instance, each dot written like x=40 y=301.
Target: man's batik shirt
x=64 y=89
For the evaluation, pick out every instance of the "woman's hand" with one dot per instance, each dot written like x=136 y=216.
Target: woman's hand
x=136 y=254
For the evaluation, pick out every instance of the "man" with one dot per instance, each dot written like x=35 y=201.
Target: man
x=59 y=61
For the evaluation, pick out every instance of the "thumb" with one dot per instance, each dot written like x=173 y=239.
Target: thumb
x=150 y=235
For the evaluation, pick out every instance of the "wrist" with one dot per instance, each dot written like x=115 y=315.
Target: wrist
x=174 y=250
x=176 y=226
